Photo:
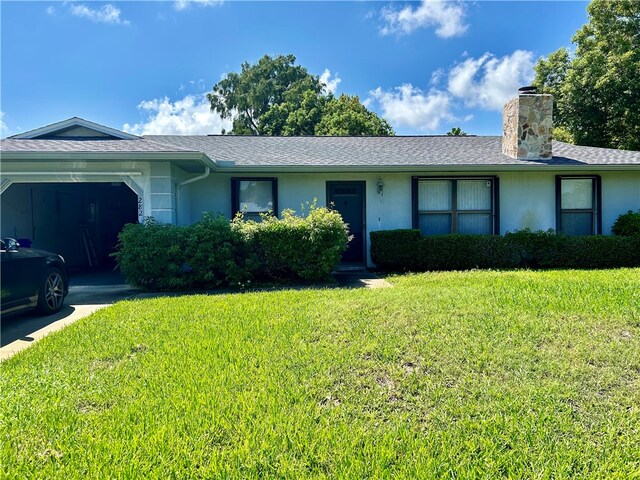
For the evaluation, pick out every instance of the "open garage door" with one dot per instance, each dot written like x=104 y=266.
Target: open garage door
x=80 y=221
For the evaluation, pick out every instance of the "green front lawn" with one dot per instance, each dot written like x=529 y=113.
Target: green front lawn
x=477 y=374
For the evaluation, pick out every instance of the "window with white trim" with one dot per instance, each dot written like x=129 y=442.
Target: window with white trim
x=254 y=196
x=578 y=205
x=464 y=205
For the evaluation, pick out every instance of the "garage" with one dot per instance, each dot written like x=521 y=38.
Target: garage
x=70 y=187
x=80 y=221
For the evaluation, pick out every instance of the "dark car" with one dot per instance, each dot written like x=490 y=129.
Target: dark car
x=31 y=278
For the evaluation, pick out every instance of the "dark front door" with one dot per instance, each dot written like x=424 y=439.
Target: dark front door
x=348 y=199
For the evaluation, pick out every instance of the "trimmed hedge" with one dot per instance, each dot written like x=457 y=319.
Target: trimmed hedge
x=408 y=250
x=215 y=252
x=395 y=250
x=464 y=252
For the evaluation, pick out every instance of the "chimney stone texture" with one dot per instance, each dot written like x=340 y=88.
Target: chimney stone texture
x=527 y=126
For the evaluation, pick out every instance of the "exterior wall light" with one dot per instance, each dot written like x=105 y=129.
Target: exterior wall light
x=380 y=187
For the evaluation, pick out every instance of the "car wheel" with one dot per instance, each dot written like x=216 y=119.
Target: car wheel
x=51 y=295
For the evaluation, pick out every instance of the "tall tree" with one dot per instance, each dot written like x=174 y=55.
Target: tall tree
x=551 y=75
x=297 y=116
x=347 y=116
x=277 y=97
x=248 y=95
x=456 y=132
x=597 y=92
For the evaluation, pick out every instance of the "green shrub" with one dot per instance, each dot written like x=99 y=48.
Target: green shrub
x=215 y=252
x=464 y=252
x=152 y=255
x=401 y=250
x=539 y=249
x=395 y=250
x=627 y=224
x=295 y=247
x=159 y=256
x=548 y=249
x=597 y=251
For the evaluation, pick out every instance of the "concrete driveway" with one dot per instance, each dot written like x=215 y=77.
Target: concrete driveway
x=88 y=292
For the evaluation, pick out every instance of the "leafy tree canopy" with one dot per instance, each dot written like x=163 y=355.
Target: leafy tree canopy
x=456 y=132
x=277 y=97
x=597 y=90
x=347 y=116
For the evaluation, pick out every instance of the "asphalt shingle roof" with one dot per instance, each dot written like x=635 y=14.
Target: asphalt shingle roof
x=86 y=146
x=400 y=151
x=384 y=151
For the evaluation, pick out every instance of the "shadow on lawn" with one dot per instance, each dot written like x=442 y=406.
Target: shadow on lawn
x=20 y=326
x=341 y=280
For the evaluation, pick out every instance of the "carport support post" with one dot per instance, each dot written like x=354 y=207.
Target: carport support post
x=163 y=192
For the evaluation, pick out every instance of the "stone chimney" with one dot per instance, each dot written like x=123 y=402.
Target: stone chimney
x=527 y=124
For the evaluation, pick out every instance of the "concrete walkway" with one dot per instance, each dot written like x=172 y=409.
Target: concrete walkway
x=92 y=291
x=360 y=280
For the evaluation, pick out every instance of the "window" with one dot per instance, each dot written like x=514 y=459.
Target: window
x=455 y=205
x=253 y=196
x=578 y=205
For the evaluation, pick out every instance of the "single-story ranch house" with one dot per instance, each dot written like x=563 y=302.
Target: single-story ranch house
x=71 y=186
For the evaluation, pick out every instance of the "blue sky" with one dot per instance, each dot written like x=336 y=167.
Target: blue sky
x=145 y=66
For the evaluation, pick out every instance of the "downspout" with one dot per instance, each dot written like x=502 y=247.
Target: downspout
x=207 y=171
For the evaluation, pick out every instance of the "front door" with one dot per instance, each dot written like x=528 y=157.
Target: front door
x=348 y=199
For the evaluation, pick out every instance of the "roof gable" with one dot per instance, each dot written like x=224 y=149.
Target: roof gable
x=75 y=128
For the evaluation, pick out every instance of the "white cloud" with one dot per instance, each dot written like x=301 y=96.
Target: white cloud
x=51 y=10
x=4 y=130
x=488 y=82
x=182 y=4
x=409 y=106
x=107 y=14
x=190 y=116
x=331 y=84
x=446 y=16
x=436 y=76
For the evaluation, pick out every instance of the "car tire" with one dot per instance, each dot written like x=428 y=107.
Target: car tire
x=51 y=293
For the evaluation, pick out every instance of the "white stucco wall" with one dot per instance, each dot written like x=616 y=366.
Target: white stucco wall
x=620 y=193
x=383 y=212
x=162 y=192
x=527 y=199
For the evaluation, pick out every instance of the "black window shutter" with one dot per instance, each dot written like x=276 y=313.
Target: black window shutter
x=235 y=201
x=414 y=201
x=558 y=203
x=597 y=204
x=496 y=205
